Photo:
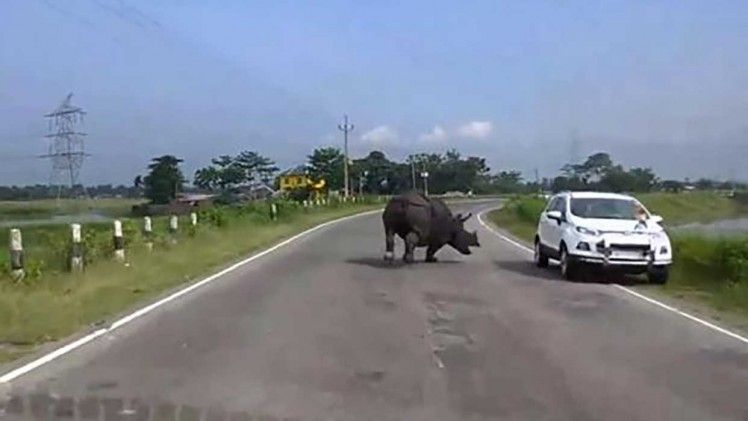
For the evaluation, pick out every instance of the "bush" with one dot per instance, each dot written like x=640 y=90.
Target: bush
x=715 y=260
x=732 y=256
x=216 y=216
x=529 y=209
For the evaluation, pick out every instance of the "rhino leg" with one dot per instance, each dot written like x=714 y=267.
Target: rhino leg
x=389 y=240
x=430 y=252
x=411 y=240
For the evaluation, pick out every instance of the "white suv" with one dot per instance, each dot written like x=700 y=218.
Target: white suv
x=612 y=231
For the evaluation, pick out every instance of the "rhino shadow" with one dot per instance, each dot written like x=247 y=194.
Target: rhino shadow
x=378 y=262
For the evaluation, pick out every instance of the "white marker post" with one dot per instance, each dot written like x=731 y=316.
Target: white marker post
x=119 y=242
x=16 y=255
x=193 y=219
x=273 y=212
x=173 y=228
x=148 y=233
x=76 y=255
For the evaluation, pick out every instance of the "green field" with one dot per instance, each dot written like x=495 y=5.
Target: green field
x=681 y=208
x=54 y=304
x=49 y=208
x=710 y=270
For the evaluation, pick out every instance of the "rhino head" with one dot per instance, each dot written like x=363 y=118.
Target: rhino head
x=462 y=240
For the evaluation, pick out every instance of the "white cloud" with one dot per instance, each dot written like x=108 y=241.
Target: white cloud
x=436 y=135
x=380 y=136
x=476 y=129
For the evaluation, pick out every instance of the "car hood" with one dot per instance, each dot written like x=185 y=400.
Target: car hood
x=619 y=225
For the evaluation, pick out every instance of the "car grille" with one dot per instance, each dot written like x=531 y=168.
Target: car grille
x=624 y=251
x=630 y=247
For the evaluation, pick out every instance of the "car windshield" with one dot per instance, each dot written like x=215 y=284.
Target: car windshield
x=603 y=208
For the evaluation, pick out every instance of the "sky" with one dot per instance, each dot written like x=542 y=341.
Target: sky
x=526 y=84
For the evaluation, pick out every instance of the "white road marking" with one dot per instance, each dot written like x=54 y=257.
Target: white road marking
x=621 y=287
x=20 y=371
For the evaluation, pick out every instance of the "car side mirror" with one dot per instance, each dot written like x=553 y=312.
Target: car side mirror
x=554 y=214
x=656 y=219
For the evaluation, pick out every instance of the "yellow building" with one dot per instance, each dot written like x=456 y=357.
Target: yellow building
x=295 y=179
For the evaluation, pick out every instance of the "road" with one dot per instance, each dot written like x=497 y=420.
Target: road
x=323 y=329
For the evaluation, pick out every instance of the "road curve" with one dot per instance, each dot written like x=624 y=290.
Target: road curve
x=322 y=329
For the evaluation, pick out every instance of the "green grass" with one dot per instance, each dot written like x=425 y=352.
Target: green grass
x=681 y=208
x=59 y=303
x=519 y=216
x=47 y=208
x=709 y=270
x=712 y=270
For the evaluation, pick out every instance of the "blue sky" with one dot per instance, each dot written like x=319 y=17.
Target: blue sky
x=660 y=84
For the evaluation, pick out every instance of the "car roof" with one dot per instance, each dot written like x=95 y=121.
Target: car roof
x=598 y=195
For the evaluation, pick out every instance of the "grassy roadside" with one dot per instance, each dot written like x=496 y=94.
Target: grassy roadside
x=711 y=271
x=58 y=304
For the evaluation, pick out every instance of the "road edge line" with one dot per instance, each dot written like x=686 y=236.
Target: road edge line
x=67 y=348
x=621 y=287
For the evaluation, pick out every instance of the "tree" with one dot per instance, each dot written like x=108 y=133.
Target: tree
x=643 y=179
x=616 y=179
x=164 y=179
x=256 y=166
x=705 y=184
x=599 y=172
x=327 y=164
x=207 y=178
x=227 y=171
x=507 y=182
x=594 y=168
x=564 y=183
x=230 y=173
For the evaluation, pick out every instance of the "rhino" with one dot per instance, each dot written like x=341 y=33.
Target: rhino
x=424 y=222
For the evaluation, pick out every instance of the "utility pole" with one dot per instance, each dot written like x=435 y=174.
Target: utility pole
x=413 y=171
x=345 y=128
x=425 y=176
x=361 y=182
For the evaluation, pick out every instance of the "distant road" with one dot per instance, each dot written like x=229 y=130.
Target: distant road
x=323 y=329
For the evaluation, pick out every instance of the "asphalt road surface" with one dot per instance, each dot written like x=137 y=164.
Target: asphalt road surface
x=324 y=329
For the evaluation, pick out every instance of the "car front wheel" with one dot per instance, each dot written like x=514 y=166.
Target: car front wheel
x=540 y=258
x=568 y=266
x=658 y=275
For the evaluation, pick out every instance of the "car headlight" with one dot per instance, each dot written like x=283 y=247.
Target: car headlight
x=587 y=231
x=657 y=235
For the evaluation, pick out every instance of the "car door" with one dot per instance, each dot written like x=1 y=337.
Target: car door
x=545 y=225
x=555 y=227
